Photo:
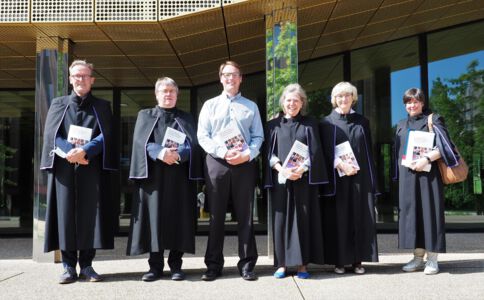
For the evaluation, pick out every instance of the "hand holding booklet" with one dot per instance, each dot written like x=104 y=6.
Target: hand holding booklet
x=296 y=159
x=172 y=140
x=79 y=136
x=418 y=144
x=232 y=139
x=298 y=154
x=346 y=154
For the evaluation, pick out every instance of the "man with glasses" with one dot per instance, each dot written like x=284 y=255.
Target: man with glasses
x=230 y=174
x=165 y=164
x=77 y=153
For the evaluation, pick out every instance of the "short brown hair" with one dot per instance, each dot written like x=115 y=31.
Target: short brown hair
x=414 y=93
x=229 y=63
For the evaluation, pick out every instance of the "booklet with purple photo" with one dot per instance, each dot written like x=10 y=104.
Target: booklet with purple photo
x=232 y=138
x=344 y=152
x=298 y=154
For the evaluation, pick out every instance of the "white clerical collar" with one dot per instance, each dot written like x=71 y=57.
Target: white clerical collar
x=338 y=110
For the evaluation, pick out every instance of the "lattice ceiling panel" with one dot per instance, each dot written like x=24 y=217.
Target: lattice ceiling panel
x=173 y=8
x=14 y=11
x=46 y=11
x=126 y=10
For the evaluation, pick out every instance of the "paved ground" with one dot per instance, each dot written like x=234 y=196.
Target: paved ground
x=461 y=277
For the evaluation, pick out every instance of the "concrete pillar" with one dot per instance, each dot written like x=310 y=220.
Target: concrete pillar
x=281 y=69
x=281 y=52
x=51 y=80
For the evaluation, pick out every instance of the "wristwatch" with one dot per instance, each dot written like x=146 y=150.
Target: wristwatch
x=428 y=159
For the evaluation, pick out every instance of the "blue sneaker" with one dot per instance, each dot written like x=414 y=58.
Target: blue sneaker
x=88 y=273
x=303 y=275
x=69 y=275
x=279 y=275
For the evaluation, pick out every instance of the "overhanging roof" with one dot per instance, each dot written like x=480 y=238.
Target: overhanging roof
x=190 y=47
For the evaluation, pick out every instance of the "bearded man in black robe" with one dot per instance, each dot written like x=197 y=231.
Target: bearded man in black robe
x=165 y=171
x=77 y=154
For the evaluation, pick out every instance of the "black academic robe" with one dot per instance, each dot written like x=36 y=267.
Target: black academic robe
x=296 y=215
x=421 y=222
x=80 y=211
x=164 y=210
x=349 y=202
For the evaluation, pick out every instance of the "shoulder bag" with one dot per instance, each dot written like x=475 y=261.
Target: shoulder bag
x=450 y=175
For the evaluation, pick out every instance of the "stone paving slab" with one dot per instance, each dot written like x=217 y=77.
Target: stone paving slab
x=461 y=277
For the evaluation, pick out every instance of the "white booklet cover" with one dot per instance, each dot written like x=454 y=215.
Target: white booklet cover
x=419 y=143
x=78 y=135
x=297 y=155
x=346 y=154
x=173 y=138
x=232 y=138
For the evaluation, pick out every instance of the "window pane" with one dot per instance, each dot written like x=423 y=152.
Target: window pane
x=381 y=74
x=17 y=119
x=456 y=72
x=318 y=78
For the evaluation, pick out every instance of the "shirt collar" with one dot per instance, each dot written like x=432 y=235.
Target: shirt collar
x=226 y=96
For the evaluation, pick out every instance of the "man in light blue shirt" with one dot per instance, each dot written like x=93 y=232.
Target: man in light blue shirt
x=230 y=131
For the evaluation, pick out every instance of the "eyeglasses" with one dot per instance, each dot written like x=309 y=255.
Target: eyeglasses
x=80 y=77
x=228 y=75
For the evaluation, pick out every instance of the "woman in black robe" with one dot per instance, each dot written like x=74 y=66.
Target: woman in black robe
x=298 y=238
x=349 y=205
x=164 y=212
x=421 y=223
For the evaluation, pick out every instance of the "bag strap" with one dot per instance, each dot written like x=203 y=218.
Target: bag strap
x=430 y=123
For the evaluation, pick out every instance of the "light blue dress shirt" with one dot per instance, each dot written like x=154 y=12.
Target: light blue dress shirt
x=218 y=113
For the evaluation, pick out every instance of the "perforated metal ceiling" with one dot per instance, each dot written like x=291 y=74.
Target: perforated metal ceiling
x=133 y=42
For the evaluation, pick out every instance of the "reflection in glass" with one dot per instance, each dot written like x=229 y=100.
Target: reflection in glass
x=318 y=78
x=16 y=160
x=456 y=72
x=382 y=73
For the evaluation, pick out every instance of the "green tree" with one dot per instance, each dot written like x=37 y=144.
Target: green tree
x=461 y=102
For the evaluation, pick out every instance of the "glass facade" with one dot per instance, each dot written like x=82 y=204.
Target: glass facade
x=456 y=86
x=381 y=74
x=17 y=119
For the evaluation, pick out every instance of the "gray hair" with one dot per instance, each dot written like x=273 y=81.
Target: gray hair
x=80 y=62
x=294 y=88
x=165 y=81
x=344 y=87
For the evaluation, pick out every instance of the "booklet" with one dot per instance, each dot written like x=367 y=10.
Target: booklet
x=418 y=144
x=297 y=155
x=59 y=152
x=173 y=138
x=346 y=154
x=233 y=139
x=78 y=135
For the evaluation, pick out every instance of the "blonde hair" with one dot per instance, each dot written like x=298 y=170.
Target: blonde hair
x=294 y=88
x=344 y=87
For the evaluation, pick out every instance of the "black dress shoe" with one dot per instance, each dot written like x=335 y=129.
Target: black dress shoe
x=152 y=275
x=211 y=275
x=177 y=275
x=249 y=275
